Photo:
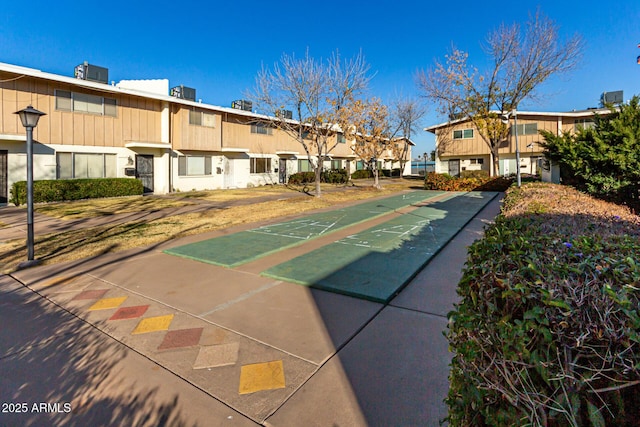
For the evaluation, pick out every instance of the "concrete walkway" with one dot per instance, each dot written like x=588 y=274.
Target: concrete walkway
x=145 y=338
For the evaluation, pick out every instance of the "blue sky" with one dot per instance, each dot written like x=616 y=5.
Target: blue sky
x=218 y=47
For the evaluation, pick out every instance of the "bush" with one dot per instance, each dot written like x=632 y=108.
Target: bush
x=362 y=174
x=75 y=189
x=302 y=178
x=445 y=182
x=474 y=174
x=603 y=160
x=548 y=328
x=335 y=176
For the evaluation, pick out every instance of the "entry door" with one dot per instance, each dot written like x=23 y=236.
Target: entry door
x=454 y=167
x=229 y=179
x=282 y=170
x=4 y=177
x=144 y=171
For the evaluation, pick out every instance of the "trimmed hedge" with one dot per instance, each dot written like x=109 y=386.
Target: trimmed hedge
x=445 y=182
x=75 y=189
x=547 y=332
x=334 y=176
x=362 y=174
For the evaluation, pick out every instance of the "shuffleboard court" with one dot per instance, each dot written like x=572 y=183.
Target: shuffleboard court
x=239 y=248
x=377 y=263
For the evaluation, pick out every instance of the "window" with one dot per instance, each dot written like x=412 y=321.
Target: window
x=360 y=165
x=200 y=118
x=86 y=165
x=194 y=165
x=336 y=164
x=260 y=164
x=583 y=124
x=463 y=134
x=304 y=166
x=85 y=103
x=261 y=128
x=341 y=139
x=526 y=129
x=479 y=161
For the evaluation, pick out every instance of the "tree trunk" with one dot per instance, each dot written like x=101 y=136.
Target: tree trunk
x=318 y=172
x=376 y=183
x=496 y=163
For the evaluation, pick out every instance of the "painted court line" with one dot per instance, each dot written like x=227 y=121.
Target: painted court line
x=377 y=263
x=240 y=248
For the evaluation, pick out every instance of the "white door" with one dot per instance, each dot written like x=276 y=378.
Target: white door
x=229 y=180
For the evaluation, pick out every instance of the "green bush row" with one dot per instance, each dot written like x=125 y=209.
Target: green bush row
x=547 y=332
x=445 y=182
x=75 y=189
x=334 y=176
x=362 y=174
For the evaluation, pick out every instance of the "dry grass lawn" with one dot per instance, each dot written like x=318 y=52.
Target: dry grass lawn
x=87 y=242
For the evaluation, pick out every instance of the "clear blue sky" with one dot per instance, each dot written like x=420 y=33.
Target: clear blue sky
x=218 y=46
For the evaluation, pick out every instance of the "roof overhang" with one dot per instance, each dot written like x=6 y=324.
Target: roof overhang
x=146 y=144
x=287 y=153
x=10 y=137
x=234 y=150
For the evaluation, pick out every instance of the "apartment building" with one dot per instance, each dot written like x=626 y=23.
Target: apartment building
x=135 y=128
x=459 y=146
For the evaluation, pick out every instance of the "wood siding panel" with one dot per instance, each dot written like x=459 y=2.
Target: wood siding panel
x=194 y=137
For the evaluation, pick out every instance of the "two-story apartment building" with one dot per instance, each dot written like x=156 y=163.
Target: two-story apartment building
x=134 y=128
x=459 y=146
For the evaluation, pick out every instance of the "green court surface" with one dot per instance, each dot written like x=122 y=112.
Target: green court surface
x=239 y=248
x=377 y=263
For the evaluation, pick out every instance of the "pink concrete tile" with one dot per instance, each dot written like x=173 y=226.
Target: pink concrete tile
x=181 y=338
x=129 y=312
x=91 y=294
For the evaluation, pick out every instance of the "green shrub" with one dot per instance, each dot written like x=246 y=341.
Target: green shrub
x=302 y=178
x=335 y=176
x=548 y=328
x=445 y=182
x=474 y=174
x=75 y=189
x=362 y=174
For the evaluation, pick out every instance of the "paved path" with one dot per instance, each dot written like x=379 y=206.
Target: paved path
x=145 y=338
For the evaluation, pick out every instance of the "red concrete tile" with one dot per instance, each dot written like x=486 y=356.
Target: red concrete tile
x=129 y=312
x=181 y=338
x=91 y=294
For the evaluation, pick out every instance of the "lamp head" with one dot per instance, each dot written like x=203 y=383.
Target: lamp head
x=29 y=116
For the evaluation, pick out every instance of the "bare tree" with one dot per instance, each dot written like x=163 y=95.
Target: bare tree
x=306 y=99
x=373 y=130
x=522 y=60
x=407 y=113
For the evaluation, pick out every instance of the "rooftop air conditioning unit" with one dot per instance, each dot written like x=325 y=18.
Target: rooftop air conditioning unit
x=86 y=71
x=241 y=104
x=609 y=98
x=286 y=114
x=183 y=92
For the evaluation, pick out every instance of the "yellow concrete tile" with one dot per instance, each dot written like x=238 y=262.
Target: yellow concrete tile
x=153 y=324
x=59 y=280
x=261 y=376
x=107 y=303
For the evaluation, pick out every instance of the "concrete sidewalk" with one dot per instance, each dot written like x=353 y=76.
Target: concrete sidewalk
x=144 y=338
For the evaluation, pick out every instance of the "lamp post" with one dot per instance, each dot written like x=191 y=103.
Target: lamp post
x=29 y=117
x=425 y=164
x=530 y=158
x=505 y=119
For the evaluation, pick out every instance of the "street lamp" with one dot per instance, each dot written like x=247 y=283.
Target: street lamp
x=505 y=120
x=29 y=117
x=530 y=158
x=425 y=164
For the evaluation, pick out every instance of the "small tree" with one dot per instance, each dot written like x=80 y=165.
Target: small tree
x=407 y=114
x=372 y=130
x=521 y=62
x=315 y=93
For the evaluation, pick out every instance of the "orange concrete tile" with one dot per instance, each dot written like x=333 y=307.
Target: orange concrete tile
x=91 y=294
x=181 y=338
